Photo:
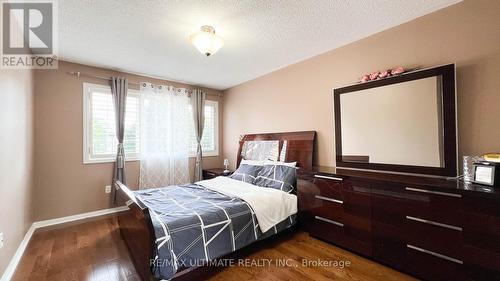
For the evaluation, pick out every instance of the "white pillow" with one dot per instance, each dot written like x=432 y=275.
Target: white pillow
x=289 y=164
x=252 y=162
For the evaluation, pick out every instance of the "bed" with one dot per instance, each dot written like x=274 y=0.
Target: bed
x=172 y=231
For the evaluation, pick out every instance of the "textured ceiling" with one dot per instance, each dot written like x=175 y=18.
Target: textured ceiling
x=151 y=37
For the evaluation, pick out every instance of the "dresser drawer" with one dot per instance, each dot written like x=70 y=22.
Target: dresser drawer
x=357 y=215
x=481 y=219
x=328 y=230
x=434 y=236
x=440 y=206
x=327 y=207
x=430 y=265
x=481 y=264
x=318 y=197
x=329 y=187
x=389 y=246
x=482 y=237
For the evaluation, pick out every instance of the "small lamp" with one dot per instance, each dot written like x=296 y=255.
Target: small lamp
x=226 y=163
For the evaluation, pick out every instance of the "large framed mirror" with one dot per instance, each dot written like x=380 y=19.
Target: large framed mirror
x=404 y=123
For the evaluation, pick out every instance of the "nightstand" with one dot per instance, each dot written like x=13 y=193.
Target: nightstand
x=212 y=173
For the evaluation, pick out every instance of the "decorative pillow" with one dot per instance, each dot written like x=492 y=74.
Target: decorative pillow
x=284 y=151
x=277 y=176
x=246 y=173
x=260 y=150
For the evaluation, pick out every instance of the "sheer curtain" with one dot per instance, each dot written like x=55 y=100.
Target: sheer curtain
x=164 y=138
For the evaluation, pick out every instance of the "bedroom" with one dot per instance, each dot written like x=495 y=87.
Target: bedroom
x=277 y=70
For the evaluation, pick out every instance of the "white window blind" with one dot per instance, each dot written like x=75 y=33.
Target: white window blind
x=100 y=143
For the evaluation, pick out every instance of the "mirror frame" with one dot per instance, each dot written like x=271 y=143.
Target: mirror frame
x=449 y=122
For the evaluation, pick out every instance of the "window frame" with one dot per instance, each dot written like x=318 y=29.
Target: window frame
x=215 y=152
x=87 y=126
x=88 y=158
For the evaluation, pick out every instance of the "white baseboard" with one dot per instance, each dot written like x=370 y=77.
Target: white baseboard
x=14 y=261
x=45 y=223
x=11 y=268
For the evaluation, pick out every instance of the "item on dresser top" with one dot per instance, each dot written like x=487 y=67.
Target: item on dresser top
x=277 y=176
x=246 y=172
x=492 y=157
x=469 y=167
x=487 y=173
x=376 y=75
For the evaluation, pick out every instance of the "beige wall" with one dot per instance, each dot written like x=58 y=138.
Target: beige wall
x=63 y=184
x=299 y=97
x=16 y=161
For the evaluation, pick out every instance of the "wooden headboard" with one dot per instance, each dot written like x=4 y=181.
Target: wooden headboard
x=299 y=146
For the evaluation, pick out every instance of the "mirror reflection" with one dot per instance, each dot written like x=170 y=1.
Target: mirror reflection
x=394 y=124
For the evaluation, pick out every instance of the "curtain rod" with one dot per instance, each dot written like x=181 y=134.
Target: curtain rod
x=79 y=74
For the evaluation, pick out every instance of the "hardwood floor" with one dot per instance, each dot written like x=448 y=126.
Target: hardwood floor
x=90 y=251
x=95 y=251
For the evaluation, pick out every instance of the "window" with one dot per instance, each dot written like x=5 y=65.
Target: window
x=99 y=145
x=210 y=138
x=99 y=125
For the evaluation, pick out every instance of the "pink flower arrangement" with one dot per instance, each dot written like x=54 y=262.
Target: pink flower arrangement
x=374 y=75
x=397 y=70
x=382 y=74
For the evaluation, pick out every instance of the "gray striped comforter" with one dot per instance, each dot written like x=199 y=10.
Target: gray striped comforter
x=193 y=224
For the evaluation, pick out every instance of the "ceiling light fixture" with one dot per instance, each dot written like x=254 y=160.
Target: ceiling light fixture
x=206 y=41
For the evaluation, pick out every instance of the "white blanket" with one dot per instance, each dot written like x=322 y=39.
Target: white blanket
x=270 y=205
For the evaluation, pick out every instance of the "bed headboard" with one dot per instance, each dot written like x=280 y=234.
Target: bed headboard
x=299 y=146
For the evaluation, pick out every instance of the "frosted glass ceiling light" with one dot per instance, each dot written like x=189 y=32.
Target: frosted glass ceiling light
x=206 y=41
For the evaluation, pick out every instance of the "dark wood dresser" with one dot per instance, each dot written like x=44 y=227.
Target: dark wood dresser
x=431 y=228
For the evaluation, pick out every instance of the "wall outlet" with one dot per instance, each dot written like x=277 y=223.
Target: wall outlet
x=1 y=240
x=107 y=189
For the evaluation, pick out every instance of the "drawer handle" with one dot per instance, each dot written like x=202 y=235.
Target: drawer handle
x=329 y=221
x=329 y=199
x=434 y=192
x=434 y=223
x=435 y=254
x=328 y=178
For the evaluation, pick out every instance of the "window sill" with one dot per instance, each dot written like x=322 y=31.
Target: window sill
x=205 y=154
x=210 y=155
x=105 y=160
x=101 y=161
